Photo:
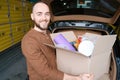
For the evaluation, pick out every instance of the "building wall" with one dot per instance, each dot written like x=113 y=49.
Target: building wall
x=14 y=21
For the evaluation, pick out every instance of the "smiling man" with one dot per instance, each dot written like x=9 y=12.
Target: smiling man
x=41 y=60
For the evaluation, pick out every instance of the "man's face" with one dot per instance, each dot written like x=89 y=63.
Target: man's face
x=41 y=16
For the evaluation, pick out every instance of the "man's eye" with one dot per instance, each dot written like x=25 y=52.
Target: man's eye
x=38 y=14
x=48 y=14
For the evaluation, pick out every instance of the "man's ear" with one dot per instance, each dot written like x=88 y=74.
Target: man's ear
x=32 y=16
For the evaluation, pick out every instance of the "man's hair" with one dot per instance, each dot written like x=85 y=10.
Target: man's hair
x=39 y=2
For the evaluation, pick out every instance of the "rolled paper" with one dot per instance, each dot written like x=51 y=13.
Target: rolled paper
x=60 y=39
x=86 y=47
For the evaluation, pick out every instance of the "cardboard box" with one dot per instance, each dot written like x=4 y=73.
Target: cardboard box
x=74 y=63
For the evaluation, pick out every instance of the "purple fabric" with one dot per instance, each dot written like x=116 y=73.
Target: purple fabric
x=60 y=39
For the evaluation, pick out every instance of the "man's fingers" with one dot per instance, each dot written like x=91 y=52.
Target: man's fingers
x=87 y=76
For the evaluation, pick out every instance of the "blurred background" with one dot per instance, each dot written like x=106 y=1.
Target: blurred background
x=15 y=22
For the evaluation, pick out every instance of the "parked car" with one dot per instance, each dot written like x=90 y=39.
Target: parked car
x=95 y=16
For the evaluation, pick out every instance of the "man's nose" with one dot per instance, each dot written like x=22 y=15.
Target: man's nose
x=44 y=17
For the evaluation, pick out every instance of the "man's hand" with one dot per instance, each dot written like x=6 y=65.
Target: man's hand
x=80 y=77
x=86 y=76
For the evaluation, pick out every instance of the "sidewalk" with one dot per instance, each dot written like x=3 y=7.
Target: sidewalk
x=12 y=64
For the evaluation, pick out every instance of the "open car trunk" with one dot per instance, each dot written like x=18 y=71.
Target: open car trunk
x=82 y=20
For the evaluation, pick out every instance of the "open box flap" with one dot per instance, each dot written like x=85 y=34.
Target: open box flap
x=70 y=36
x=104 y=44
x=74 y=52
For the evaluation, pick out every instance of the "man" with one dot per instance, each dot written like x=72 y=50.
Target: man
x=41 y=62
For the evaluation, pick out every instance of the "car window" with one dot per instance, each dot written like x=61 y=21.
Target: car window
x=104 y=8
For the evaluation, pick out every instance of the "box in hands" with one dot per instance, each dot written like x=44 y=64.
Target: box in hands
x=75 y=63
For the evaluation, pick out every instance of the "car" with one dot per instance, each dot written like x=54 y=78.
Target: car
x=95 y=16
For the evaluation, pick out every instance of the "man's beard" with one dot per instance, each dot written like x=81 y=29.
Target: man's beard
x=37 y=25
